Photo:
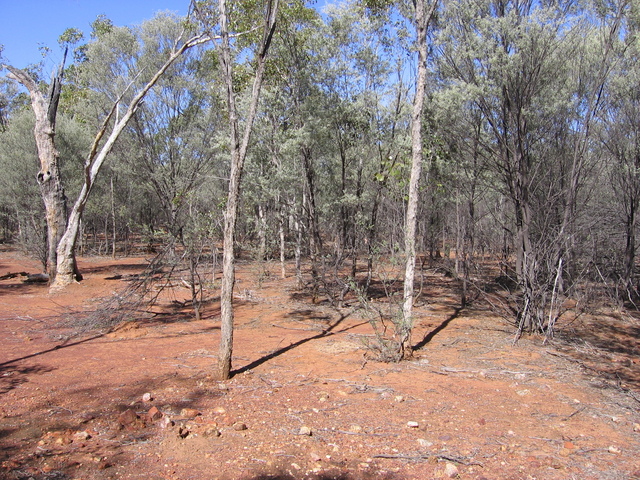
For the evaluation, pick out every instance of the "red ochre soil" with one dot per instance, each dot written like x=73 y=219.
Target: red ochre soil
x=308 y=399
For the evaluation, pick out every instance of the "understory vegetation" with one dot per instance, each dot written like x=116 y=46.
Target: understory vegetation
x=530 y=151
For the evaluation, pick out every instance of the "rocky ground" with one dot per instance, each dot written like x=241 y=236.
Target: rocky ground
x=308 y=399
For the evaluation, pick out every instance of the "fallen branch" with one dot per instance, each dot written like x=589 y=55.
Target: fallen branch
x=459 y=460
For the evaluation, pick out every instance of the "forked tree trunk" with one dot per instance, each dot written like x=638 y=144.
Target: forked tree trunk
x=49 y=179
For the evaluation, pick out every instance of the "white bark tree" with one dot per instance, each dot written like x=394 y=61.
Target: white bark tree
x=424 y=12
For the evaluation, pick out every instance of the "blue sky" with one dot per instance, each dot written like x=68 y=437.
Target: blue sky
x=25 y=25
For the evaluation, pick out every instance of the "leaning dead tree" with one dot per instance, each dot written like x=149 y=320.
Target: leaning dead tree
x=96 y=158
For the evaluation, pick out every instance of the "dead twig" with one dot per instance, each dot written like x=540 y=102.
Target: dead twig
x=449 y=458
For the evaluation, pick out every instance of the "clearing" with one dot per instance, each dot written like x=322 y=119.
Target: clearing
x=308 y=399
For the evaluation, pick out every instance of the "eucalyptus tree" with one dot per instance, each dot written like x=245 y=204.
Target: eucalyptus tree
x=618 y=125
x=124 y=83
x=534 y=72
x=363 y=55
x=221 y=22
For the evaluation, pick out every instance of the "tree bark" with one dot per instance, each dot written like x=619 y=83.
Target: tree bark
x=405 y=326
x=49 y=178
x=238 y=154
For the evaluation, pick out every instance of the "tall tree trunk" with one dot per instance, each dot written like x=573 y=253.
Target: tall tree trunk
x=405 y=326
x=238 y=148
x=49 y=178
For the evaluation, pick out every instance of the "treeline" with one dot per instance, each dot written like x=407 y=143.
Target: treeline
x=530 y=143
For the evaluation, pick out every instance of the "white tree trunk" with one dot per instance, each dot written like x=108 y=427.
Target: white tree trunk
x=422 y=19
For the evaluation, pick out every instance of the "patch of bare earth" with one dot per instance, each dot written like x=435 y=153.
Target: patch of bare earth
x=307 y=400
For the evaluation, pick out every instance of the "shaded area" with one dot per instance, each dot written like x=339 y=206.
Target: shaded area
x=609 y=348
x=52 y=349
x=431 y=335
x=326 y=476
x=324 y=333
x=13 y=377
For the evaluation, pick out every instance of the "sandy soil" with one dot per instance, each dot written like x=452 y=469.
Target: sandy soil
x=308 y=398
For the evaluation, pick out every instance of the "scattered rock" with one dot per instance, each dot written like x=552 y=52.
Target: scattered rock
x=315 y=457
x=154 y=414
x=398 y=398
x=147 y=397
x=189 y=412
x=183 y=432
x=450 y=470
x=304 y=430
x=130 y=419
x=412 y=424
x=636 y=427
x=239 y=426
x=84 y=435
x=212 y=432
x=424 y=443
x=614 y=450
x=355 y=429
x=569 y=445
x=166 y=422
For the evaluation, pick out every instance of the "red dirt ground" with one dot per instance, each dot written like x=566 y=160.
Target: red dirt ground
x=308 y=400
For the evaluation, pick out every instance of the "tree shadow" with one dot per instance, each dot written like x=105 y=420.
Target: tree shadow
x=13 y=377
x=324 y=333
x=49 y=350
x=609 y=346
x=327 y=476
x=431 y=335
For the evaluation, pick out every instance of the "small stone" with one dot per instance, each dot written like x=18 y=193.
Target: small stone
x=183 y=432
x=412 y=424
x=128 y=417
x=450 y=470
x=166 y=422
x=154 y=414
x=424 y=443
x=239 y=426
x=398 y=399
x=315 y=457
x=189 y=412
x=614 y=450
x=636 y=427
x=212 y=432
x=355 y=428
x=304 y=430
x=84 y=435
x=296 y=466
x=147 y=397
x=569 y=445
x=219 y=410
